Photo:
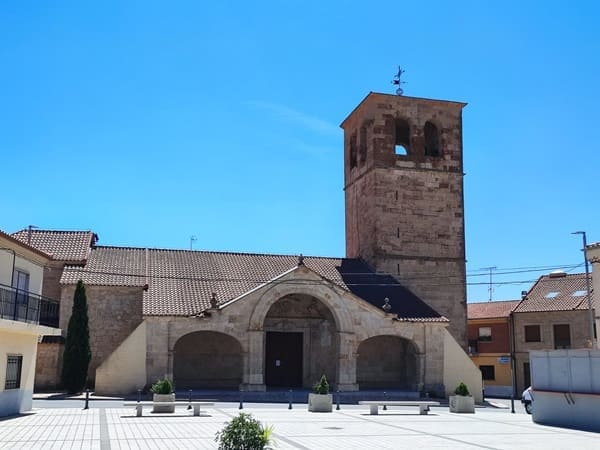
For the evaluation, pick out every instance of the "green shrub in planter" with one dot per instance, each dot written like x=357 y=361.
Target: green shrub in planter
x=463 y=390
x=322 y=387
x=162 y=387
x=244 y=432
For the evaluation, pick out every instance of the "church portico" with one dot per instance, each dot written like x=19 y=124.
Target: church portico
x=300 y=339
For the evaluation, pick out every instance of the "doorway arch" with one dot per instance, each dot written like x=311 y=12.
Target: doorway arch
x=301 y=342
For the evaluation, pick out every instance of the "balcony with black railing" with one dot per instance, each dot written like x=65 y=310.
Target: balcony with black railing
x=28 y=307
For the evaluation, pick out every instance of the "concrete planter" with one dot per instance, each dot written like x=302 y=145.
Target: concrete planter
x=163 y=398
x=320 y=402
x=461 y=404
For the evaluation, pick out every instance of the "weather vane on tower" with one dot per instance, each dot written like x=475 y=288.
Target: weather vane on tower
x=397 y=82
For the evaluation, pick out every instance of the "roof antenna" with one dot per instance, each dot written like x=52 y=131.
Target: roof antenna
x=29 y=228
x=491 y=288
x=192 y=240
x=397 y=82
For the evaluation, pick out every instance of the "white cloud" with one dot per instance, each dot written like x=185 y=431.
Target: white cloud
x=306 y=120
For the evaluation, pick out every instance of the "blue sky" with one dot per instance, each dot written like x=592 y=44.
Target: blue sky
x=150 y=122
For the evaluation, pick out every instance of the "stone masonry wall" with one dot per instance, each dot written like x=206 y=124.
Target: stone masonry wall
x=48 y=366
x=51 y=286
x=405 y=214
x=114 y=312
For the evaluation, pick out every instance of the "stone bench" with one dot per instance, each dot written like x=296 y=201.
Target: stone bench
x=423 y=406
x=195 y=405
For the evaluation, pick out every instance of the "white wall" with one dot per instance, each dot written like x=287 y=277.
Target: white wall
x=124 y=371
x=13 y=401
x=35 y=270
x=459 y=368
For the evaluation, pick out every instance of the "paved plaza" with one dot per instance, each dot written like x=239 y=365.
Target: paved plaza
x=349 y=428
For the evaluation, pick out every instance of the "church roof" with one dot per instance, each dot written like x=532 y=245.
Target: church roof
x=70 y=246
x=181 y=282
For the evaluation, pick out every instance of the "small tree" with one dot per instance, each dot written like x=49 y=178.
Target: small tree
x=244 y=432
x=77 y=353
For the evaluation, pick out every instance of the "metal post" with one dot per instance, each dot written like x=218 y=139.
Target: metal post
x=87 y=399
x=189 y=399
x=290 y=403
x=241 y=400
x=139 y=396
x=338 y=401
x=384 y=399
x=512 y=363
x=588 y=287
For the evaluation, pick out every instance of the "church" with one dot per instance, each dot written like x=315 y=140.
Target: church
x=391 y=314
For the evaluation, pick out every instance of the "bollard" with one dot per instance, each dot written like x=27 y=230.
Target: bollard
x=290 y=404
x=337 y=408
x=190 y=399
x=139 y=395
x=241 y=400
x=87 y=399
x=384 y=399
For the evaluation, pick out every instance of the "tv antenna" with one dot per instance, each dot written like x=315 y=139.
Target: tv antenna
x=491 y=288
x=192 y=240
x=398 y=82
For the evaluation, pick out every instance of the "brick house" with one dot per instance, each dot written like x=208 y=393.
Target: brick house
x=253 y=321
x=489 y=344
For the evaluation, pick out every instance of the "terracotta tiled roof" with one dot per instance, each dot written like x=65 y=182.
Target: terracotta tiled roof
x=70 y=246
x=24 y=244
x=556 y=294
x=181 y=282
x=490 y=310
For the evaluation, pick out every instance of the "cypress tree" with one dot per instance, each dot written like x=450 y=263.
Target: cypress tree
x=77 y=353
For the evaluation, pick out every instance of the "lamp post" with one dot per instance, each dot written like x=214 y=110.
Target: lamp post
x=589 y=290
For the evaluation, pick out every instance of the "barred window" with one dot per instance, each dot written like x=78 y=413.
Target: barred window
x=488 y=372
x=14 y=365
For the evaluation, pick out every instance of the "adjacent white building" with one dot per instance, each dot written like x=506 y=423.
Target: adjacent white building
x=24 y=316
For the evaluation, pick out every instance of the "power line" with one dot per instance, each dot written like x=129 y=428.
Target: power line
x=216 y=279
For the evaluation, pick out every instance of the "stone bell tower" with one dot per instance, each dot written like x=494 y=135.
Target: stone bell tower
x=403 y=182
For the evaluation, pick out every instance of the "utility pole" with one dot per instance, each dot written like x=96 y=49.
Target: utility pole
x=589 y=290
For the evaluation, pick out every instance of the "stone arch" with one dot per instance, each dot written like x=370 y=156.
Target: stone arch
x=207 y=359
x=402 y=140
x=317 y=289
x=387 y=361
x=431 y=136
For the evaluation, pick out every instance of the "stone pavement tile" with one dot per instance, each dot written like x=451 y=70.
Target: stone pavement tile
x=162 y=444
x=349 y=428
x=57 y=428
x=380 y=443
